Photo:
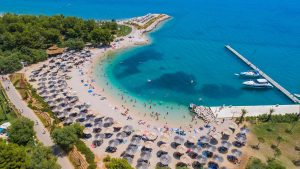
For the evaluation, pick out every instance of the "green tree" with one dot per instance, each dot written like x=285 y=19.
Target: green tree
x=271 y=111
x=74 y=44
x=101 y=36
x=118 y=163
x=21 y=132
x=13 y=156
x=65 y=137
x=244 y=112
x=42 y=158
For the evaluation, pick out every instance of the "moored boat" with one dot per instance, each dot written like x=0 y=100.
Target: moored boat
x=250 y=73
x=258 y=83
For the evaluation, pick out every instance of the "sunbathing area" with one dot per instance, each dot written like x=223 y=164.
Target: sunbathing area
x=216 y=144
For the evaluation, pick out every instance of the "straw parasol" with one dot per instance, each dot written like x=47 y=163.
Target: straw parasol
x=87 y=131
x=204 y=139
x=202 y=159
x=151 y=136
x=236 y=152
x=121 y=135
x=99 y=136
x=226 y=144
x=135 y=140
x=113 y=143
x=148 y=144
x=139 y=132
x=178 y=139
x=233 y=125
x=107 y=130
x=145 y=155
x=142 y=165
x=165 y=159
x=117 y=125
x=164 y=147
x=128 y=128
x=217 y=136
x=227 y=132
x=192 y=139
x=218 y=159
x=211 y=148
x=108 y=120
x=130 y=151
x=129 y=159
x=181 y=149
x=164 y=138
x=185 y=159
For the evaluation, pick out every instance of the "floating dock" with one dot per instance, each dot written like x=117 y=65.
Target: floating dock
x=273 y=82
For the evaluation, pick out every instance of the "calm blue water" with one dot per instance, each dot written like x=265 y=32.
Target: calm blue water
x=191 y=47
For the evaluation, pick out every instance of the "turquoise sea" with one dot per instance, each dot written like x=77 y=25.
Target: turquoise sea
x=186 y=61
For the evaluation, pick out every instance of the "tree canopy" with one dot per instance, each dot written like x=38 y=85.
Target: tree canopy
x=117 y=163
x=21 y=132
x=24 y=38
x=66 y=137
x=29 y=157
x=13 y=156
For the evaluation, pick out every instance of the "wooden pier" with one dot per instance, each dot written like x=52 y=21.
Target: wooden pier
x=273 y=82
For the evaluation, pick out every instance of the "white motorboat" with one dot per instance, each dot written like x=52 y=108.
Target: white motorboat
x=250 y=73
x=258 y=83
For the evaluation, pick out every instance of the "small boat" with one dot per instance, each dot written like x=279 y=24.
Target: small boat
x=297 y=95
x=250 y=73
x=258 y=83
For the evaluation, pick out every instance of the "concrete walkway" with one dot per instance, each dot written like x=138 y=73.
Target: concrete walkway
x=45 y=138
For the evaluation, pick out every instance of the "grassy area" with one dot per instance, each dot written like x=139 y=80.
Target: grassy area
x=270 y=132
x=124 y=30
x=7 y=112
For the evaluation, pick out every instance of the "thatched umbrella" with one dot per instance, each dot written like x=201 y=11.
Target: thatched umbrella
x=218 y=159
x=164 y=147
x=142 y=165
x=211 y=148
x=136 y=140
x=139 y=133
x=113 y=143
x=98 y=125
x=204 y=139
x=151 y=136
x=145 y=156
x=128 y=158
x=185 y=159
x=99 y=136
x=107 y=130
x=121 y=135
x=117 y=125
x=165 y=138
x=165 y=159
x=178 y=139
x=128 y=128
x=202 y=159
x=237 y=153
x=192 y=139
x=108 y=120
x=233 y=125
x=148 y=144
x=181 y=149
x=212 y=164
x=226 y=144
x=87 y=131
x=227 y=132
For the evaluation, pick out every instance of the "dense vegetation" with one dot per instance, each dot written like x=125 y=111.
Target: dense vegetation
x=116 y=163
x=7 y=111
x=255 y=163
x=23 y=151
x=24 y=38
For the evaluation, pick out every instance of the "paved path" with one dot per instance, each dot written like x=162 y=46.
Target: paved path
x=16 y=99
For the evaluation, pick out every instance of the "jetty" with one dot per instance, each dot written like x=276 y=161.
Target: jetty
x=273 y=82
